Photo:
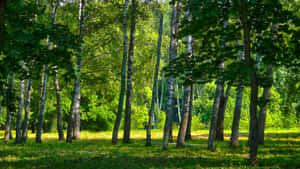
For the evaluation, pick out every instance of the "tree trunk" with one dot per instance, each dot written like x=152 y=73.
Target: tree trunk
x=263 y=110
x=58 y=107
x=2 y=27
x=236 y=118
x=154 y=90
x=123 y=77
x=178 y=104
x=188 y=135
x=254 y=87
x=42 y=105
x=75 y=106
x=21 y=104
x=214 y=116
x=27 y=104
x=9 y=109
x=187 y=94
x=218 y=98
x=170 y=92
x=127 y=124
x=221 y=114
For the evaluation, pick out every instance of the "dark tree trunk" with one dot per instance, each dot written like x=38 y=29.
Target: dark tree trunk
x=58 y=108
x=27 y=104
x=188 y=135
x=20 y=107
x=154 y=90
x=2 y=27
x=263 y=110
x=236 y=118
x=123 y=77
x=254 y=87
x=127 y=122
x=170 y=92
x=3 y=102
x=9 y=109
x=187 y=94
x=214 y=117
x=74 y=124
x=221 y=114
x=42 y=105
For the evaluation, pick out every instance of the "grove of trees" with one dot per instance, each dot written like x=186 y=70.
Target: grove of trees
x=178 y=65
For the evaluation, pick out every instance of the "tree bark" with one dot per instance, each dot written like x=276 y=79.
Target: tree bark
x=2 y=27
x=221 y=114
x=263 y=110
x=187 y=94
x=123 y=77
x=254 y=87
x=21 y=104
x=75 y=106
x=9 y=109
x=214 y=116
x=127 y=124
x=27 y=104
x=154 y=90
x=178 y=103
x=170 y=92
x=217 y=101
x=58 y=108
x=38 y=138
x=234 y=141
x=188 y=135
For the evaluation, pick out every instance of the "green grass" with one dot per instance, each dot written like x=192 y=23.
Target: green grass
x=94 y=150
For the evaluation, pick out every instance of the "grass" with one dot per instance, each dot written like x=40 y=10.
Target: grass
x=94 y=150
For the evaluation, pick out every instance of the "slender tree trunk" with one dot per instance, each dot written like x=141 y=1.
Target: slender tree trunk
x=263 y=110
x=254 y=87
x=58 y=107
x=9 y=109
x=127 y=124
x=221 y=114
x=154 y=90
x=214 y=117
x=42 y=105
x=170 y=92
x=75 y=106
x=162 y=92
x=187 y=94
x=217 y=101
x=178 y=103
x=2 y=27
x=236 y=118
x=21 y=104
x=27 y=104
x=188 y=135
x=123 y=77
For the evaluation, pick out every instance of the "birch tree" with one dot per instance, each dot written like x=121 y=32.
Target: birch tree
x=154 y=89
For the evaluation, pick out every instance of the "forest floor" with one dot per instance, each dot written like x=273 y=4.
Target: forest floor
x=94 y=150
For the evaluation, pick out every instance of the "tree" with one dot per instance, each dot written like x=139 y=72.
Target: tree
x=21 y=103
x=170 y=92
x=123 y=77
x=75 y=106
x=58 y=107
x=9 y=108
x=187 y=99
x=27 y=102
x=221 y=114
x=154 y=89
x=127 y=123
